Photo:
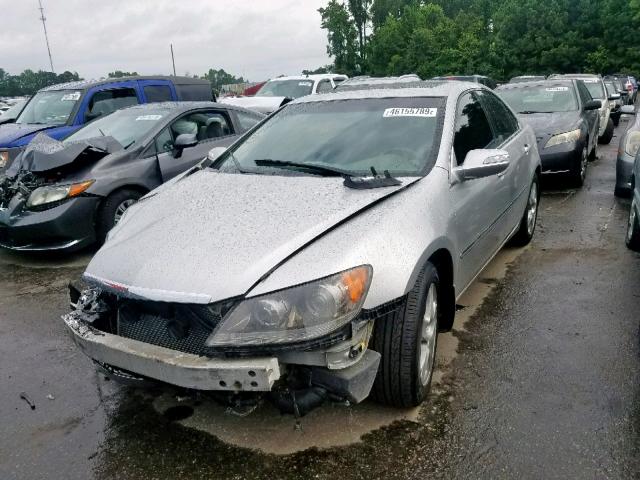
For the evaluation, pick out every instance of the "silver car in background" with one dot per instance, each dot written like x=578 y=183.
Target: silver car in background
x=629 y=146
x=318 y=257
x=633 y=228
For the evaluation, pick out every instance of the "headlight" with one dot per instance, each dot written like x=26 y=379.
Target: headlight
x=4 y=159
x=567 y=137
x=632 y=143
x=295 y=314
x=55 y=193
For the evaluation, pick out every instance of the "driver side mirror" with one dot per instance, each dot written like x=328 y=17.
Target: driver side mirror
x=184 y=140
x=593 y=105
x=483 y=163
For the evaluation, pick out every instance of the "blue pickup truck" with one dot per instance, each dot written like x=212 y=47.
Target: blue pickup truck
x=60 y=110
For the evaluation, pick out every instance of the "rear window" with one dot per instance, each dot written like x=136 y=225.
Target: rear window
x=195 y=92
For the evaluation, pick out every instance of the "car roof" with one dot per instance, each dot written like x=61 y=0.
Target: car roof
x=534 y=83
x=316 y=76
x=577 y=76
x=86 y=84
x=425 y=88
x=180 y=107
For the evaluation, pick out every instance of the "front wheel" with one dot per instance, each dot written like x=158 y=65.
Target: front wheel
x=530 y=217
x=633 y=228
x=112 y=210
x=579 y=171
x=406 y=340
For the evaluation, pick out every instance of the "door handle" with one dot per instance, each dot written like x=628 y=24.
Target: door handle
x=527 y=149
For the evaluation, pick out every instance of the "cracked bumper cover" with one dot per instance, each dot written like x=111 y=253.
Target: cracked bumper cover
x=181 y=369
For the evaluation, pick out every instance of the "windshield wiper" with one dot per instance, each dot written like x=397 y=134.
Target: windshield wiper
x=528 y=112
x=318 y=169
x=350 y=181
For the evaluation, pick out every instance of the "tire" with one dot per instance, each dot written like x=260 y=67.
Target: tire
x=633 y=228
x=579 y=171
x=616 y=121
x=622 y=192
x=530 y=216
x=594 y=152
x=606 y=137
x=112 y=209
x=406 y=366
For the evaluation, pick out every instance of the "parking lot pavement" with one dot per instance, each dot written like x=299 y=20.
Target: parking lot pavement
x=539 y=379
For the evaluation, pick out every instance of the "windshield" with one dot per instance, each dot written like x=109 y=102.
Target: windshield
x=14 y=110
x=544 y=98
x=595 y=88
x=126 y=126
x=401 y=135
x=286 y=88
x=611 y=88
x=50 y=108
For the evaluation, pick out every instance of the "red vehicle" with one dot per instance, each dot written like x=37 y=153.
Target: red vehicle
x=251 y=91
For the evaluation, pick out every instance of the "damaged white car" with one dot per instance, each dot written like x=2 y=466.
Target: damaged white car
x=319 y=256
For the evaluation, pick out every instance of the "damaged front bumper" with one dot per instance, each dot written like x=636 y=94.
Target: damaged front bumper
x=65 y=227
x=177 y=368
x=135 y=348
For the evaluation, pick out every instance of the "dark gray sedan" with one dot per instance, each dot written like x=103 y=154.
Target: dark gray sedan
x=633 y=229
x=565 y=118
x=67 y=195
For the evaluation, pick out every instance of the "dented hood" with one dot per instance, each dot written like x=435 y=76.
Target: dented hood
x=213 y=236
x=264 y=105
x=44 y=153
x=11 y=132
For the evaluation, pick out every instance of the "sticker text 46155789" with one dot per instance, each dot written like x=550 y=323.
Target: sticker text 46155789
x=410 y=112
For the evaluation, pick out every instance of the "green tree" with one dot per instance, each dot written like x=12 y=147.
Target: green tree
x=342 y=37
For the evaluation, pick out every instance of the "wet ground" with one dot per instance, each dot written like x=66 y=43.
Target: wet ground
x=539 y=379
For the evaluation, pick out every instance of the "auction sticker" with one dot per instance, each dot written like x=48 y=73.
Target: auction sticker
x=557 y=89
x=305 y=84
x=70 y=97
x=148 y=117
x=410 y=112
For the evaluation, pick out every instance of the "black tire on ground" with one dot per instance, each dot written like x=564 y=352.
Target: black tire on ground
x=107 y=211
x=593 y=155
x=526 y=230
x=606 y=137
x=616 y=120
x=622 y=192
x=398 y=337
x=576 y=175
x=633 y=229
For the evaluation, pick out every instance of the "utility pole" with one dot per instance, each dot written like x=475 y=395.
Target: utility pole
x=46 y=37
x=173 y=60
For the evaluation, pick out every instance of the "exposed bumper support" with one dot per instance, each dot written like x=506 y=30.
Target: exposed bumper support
x=185 y=370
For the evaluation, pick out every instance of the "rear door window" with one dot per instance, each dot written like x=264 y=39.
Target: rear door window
x=108 y=101
x=585 y=96
x=157 y=93
x=503 y=121
x=324 y=86
x=205 y=125
x=472 y=129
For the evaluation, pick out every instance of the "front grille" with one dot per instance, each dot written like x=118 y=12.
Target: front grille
x=184 y=328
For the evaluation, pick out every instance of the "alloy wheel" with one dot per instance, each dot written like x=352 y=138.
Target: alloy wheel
x=532 y=208
x=429 y=335
x=121 y=209
x=632 y=221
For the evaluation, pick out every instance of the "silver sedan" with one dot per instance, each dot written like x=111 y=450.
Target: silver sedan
x=320 y=255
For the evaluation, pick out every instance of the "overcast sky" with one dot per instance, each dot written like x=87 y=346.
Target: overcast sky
x=257 y=39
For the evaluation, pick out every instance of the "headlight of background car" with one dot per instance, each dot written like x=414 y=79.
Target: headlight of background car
x=4 y=159
x=567 y=137
x=55 y=193
x=632 y=143
x=295 y=314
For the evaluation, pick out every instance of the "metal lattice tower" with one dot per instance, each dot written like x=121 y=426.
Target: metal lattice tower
x=46 y=36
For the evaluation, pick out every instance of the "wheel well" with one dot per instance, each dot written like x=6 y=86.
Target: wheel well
x=442 y=260
x=137 y=188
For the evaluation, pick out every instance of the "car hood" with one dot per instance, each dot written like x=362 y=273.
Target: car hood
x=213 y=236
x=10 y=132
x=44 y=153
x=259 y=104
x=545 y=125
